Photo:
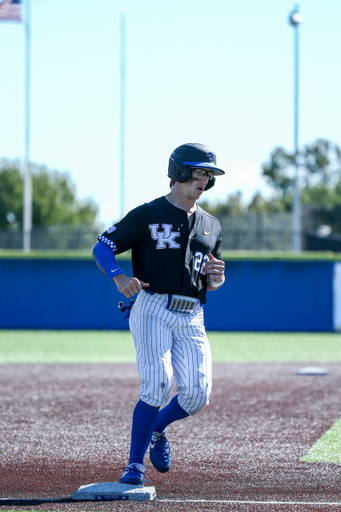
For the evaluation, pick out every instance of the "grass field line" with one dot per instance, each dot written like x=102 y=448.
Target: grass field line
x=251 y=502
x=47 y=346
x=32 y=502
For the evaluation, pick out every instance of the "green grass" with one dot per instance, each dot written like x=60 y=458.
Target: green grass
x=227 y=255
x=19 y=346
x=328 y=447
x=241 y=346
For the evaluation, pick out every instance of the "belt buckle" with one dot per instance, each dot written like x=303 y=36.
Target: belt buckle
x=183 y=304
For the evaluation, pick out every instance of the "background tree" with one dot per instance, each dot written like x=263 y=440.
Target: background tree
x=260 y=204
x=54 y=198
x=233 y=205
x=319 y=180
x=320 y=163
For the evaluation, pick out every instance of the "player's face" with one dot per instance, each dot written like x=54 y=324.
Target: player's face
x=196 y=185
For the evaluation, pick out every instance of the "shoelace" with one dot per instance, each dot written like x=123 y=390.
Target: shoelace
x=165 y=448
x=137 y=472
x=164 y=444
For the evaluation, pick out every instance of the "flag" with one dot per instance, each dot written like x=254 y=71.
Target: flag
x=10 y=10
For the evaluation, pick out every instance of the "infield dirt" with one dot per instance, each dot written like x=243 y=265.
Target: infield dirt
x=66 y=425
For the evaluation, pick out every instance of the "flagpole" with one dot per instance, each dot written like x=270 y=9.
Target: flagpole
x=27 y=210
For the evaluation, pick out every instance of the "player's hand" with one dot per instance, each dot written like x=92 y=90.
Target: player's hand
x=215 y=269
x=129 y=286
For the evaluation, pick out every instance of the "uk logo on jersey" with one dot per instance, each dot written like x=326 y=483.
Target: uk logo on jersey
x=167 y=236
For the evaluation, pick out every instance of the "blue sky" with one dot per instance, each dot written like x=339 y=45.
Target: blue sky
x=220 y=74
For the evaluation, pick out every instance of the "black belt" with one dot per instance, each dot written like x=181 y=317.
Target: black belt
x=170 y=296
x=179 y=303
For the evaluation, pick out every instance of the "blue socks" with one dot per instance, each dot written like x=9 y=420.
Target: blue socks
x=172 y=412
x=146 y=419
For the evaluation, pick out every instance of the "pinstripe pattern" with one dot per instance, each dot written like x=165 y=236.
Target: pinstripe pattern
x=169 y=345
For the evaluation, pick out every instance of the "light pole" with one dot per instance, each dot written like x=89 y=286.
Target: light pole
x=122 y=110
x=295 y=19
x=27 y=199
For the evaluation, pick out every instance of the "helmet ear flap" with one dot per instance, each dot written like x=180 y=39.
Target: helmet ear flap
x=179 y=171
x=182 y=172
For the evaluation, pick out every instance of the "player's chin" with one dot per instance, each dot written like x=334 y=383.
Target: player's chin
x=195 y=194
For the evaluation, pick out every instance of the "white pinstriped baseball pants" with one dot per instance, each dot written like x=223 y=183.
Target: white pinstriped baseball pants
x=171 y=345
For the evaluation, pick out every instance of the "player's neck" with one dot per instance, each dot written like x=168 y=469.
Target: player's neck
x=181 y=201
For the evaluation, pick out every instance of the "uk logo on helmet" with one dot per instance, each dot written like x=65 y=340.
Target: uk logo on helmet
x=210 y=156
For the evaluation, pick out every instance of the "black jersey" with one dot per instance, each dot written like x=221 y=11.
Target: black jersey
x=165 y=253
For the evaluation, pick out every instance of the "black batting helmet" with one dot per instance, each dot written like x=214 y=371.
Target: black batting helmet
x=192 y=156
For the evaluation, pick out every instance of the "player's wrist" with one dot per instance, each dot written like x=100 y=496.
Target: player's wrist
x=216 y=284
x=116 y=278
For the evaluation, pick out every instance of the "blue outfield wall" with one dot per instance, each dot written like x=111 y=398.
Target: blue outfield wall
x=257 y=296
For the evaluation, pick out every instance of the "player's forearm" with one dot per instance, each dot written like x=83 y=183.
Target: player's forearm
x=106 y=261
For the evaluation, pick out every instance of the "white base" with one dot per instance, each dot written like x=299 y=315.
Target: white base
x=312 y=370
x=114 y=491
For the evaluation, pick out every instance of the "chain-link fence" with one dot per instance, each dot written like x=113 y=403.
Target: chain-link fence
x=49 y=238
x=261 y=232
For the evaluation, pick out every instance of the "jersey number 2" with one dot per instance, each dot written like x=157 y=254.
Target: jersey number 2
x=200 y=261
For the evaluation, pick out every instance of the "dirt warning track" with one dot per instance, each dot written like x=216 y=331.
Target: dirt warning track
x=66 y=425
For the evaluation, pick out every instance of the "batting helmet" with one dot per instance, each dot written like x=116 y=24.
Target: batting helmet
x=192 y=156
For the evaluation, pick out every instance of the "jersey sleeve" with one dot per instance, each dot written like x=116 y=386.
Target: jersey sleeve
x=125 y=234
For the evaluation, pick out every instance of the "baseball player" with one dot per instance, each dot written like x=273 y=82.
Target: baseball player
x=176 y=258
